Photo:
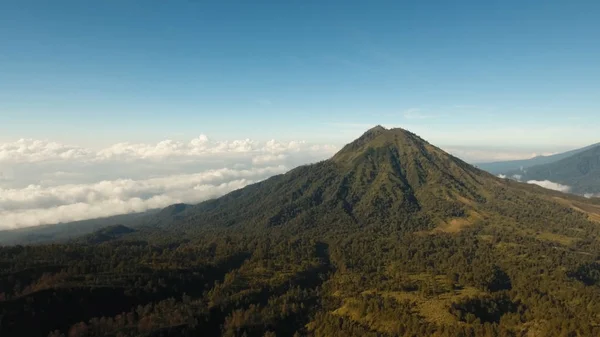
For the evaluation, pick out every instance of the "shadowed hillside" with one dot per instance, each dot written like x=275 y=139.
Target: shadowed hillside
x=581 y=172
x=502 y=167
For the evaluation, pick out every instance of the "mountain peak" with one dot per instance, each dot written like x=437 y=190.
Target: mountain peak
x=378 y=137
x=370 y=134
x=376 y=129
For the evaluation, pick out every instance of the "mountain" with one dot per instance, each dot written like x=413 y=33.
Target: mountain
x=390 y=237
x=385 y=176
x=107 y=234
x=63 y=232
x=503 y=167
x=581 y=172
x=389 y=178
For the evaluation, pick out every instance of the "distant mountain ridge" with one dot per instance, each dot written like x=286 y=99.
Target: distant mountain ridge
x=62 y=232
x=502 y=167
x=580 y=172
x=107 y=234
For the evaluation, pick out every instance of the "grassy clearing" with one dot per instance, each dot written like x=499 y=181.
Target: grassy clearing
x=557 y=238
x=435 y=309
x=432 y=308
x=486 y=238
x=592 y=211
x=458 y=224
x=375 y=322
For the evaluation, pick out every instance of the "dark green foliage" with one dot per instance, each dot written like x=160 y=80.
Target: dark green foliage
x=488 y=309
x=588 y=273
x=108 y=233
x=491 y=278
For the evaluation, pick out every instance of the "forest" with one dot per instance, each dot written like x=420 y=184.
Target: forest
x=390 y=237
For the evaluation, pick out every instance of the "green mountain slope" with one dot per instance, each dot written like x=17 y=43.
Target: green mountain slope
x=503 y=167
x=390 y=237
x=385 y=176
x=389 y=178
x=580 y=171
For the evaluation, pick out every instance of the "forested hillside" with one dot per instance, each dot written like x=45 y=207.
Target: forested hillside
x=390 y=237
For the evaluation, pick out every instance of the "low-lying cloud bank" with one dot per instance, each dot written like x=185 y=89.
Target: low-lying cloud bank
x=46 y=182
x=35 y=151
x=543 y=183
x=551 y=185
x=36 y=205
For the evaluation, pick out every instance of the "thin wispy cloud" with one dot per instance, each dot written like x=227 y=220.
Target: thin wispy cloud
x=264 y=102
x=476 y=110
x=473 y=107
x=415 y=113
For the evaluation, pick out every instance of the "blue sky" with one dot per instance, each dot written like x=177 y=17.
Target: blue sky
x=479 y=74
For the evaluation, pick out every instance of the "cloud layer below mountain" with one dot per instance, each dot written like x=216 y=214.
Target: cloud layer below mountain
x=551 y=185
x=46 y=182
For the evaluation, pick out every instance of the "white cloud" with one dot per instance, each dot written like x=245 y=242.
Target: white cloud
x=516 y=177
x=268 y=158
x=45 y=182
x=200 y=146
x=592 y=195
x=32 y=151
x=36 y=195
x=36 y=205
x=550 y=185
